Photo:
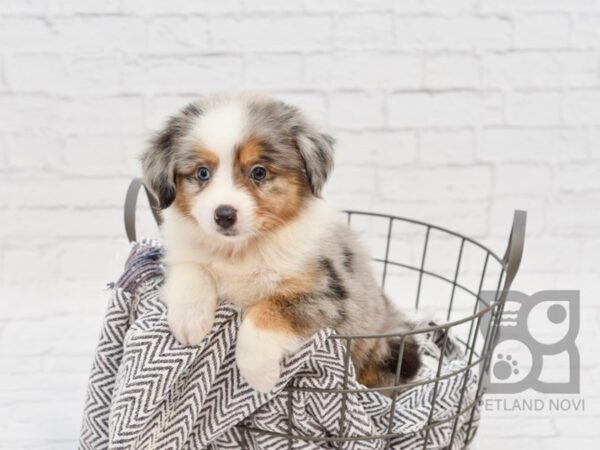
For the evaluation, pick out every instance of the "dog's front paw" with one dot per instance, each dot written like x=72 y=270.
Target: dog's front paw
x=258 y=357
x=191 y=300
x=259 y=353
x=190 y=322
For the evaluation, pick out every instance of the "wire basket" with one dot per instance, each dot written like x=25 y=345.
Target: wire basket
x=430 y=267
x=467 y=269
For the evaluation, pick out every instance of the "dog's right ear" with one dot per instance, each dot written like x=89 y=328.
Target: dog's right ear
x=158 y=161
x=157 y=164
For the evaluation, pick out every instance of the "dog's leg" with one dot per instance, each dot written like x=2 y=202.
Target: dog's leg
x=191 y=298
x=265 y=337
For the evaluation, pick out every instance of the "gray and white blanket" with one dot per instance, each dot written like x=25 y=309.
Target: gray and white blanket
x=146 y=391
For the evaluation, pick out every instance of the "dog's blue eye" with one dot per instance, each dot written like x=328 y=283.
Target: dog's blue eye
x=203 y=173
x=258 y=173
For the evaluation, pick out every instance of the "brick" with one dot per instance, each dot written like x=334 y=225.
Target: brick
x=540 y=69
x=53 y=73
x=595 y=142
x=270 y=6
x=363 y=5
x=26 y=33
x=577 y=441
x=271 y=33
x=95 y=75
x=538 y=257
x=356 y=110
x=364 y=30
x=522 y=179
x=452 y=70
x=447 y=146
x=102 y=262
x=534 y=108
x=422 y=109
x=101 y=34
x=31 y=151
x=455 y=6
x=352 y=179
x=582 y=107
x=590 y=260
x=177 y=34
x=579 y=180
x=430 y=32
x=107 y=114
x=435 y=183
x=61 y=222
x=24 y=266
x=69 y=7
x=56 y=192
x=371 y=147
x=567 y=218
x=364 y=70
x=542 y=31
x=536 y=5
x=31 y=7
x=37 y=72
x=586 y=33
x=272 y=71
x=532 y=144
x=494 y=106
x=157 y=7
x=94 y=155
x=194 y=75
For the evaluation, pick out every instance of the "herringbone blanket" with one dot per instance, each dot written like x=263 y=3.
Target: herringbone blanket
x=146 y=391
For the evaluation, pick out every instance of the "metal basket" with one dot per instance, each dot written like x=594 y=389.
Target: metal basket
x=466 y=308
x=477 y=350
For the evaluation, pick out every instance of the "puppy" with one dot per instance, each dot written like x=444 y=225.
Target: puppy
x=239 y=183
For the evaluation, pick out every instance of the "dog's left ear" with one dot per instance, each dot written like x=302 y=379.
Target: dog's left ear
x=316 y=149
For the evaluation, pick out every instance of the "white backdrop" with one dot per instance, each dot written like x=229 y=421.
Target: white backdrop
x=451 y=111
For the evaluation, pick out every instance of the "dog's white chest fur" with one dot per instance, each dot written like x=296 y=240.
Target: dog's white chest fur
x=244 y=283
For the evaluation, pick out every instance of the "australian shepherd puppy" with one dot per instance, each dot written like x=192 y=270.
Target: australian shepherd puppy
x=239 y=181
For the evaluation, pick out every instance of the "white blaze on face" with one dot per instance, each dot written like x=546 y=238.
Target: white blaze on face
x=221 y=130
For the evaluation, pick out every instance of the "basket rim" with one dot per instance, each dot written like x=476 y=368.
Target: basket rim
x=442 y=326
x=428 y=225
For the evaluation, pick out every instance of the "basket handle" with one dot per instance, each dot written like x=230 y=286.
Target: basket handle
x=514 y=250
x=130 y=207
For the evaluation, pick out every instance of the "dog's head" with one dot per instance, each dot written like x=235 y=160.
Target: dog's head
x=239 y=167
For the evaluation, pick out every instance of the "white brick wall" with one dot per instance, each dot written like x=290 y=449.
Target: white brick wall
x=455 y=112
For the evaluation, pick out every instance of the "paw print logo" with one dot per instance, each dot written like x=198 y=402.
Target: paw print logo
x=505 y=367
x=535 y=346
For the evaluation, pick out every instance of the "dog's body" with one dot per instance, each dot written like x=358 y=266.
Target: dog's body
x=239 y=179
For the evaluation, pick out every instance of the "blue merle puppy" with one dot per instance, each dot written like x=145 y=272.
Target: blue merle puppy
x=239 y=181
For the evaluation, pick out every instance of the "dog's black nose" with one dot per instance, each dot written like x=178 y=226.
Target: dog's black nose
x=225 y=216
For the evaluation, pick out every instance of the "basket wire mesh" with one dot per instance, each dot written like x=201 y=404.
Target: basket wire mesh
x=477 y=341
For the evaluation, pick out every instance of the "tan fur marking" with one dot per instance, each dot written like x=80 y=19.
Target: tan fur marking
x=369 y=376
x=280 y=197
x=208 y=157
x=274 y=313
x=249 y=153
x=267 y=316
x=188 y=189
x=184 y=197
